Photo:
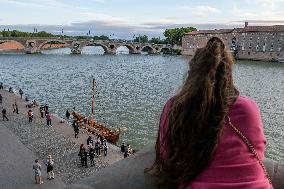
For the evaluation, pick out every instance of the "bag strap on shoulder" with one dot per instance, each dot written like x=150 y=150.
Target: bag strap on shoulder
x=249 y=145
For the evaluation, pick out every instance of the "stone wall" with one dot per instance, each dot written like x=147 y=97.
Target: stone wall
x=129 y=174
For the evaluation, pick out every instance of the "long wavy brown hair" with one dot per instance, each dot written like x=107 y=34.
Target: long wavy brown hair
x=196 y=117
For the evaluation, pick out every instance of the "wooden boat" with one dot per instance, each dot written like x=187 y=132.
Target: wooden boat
x=99 y=129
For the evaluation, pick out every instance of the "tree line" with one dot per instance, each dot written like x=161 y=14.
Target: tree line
x=17 y=33
x=172 y=36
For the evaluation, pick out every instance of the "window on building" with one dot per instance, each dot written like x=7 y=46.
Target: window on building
x=263 y=47
x=257 y=48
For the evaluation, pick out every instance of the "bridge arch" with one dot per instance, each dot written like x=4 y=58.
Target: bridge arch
x=165 y=50
x=93 y=48
x=148 y=48
x=54 y=41
x=11 y=45
x=129 y=47
x=103 y=46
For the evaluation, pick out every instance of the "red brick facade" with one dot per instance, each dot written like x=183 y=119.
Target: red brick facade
x=250 y=42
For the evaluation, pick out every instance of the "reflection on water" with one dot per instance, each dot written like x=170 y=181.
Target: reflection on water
x=133 y=88
x=57 y=51
x=93 y=50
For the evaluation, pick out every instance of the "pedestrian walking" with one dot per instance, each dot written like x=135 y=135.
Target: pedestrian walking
x=37 y=170
x=30 y=116
x=67 y=115
x=76 y=128
x=1 y=86
x=105 y=148
x=1 y=98
x=4 y=114
x=46 y=109
x=14 y=108
x=41 y=109
x=123 y=147
x=49 y=167
x=21 y=93
x=48 y=119
x=128 y=151
x=10 y=90
x=17 y=108
x=98 y=147
x=83 y=156
x=90 y=141
x=92 y=155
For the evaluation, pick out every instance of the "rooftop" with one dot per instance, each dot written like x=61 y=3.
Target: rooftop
x=275 y=28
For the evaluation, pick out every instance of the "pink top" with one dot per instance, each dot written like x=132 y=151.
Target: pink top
x=233 y=165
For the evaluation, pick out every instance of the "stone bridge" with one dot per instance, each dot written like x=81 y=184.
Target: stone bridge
x=35 y=45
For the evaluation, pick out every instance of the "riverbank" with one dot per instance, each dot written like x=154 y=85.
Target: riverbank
x=58 y=141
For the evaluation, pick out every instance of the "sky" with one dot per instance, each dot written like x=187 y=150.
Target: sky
x=126 y=18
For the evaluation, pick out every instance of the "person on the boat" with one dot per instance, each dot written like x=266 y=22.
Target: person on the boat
x=210 y=136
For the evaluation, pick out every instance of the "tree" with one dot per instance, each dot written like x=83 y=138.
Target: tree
x=158 y=40
x=174 y=36
x=141 y=39
x=102 y=37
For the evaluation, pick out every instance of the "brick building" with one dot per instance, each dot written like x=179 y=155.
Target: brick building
x=250 y=42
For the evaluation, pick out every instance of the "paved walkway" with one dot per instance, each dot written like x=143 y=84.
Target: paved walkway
x=58 y=141
x=16 y=164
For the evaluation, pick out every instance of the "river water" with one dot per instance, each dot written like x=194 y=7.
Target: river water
x=132 y=89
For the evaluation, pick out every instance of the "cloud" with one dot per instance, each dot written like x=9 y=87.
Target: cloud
x=23 y=4
x=165 y=21
x=200 y=10
x=107 y=19
x=43 y=4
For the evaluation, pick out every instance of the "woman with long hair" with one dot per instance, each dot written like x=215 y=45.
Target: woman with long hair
x=209 y=136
